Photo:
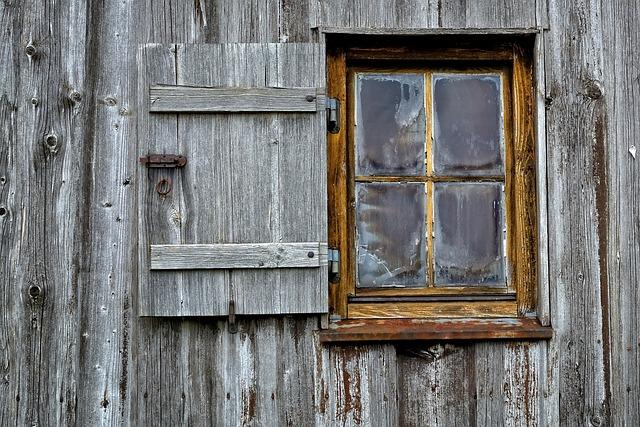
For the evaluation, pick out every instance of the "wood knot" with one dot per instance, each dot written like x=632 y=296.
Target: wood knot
x=35 y=101
x=51 y=142
x=111 y=101
x=31 y=50
x=35 y=291
x=3 y=180
x=593 y=89
x=3 y=211
x=75 y=96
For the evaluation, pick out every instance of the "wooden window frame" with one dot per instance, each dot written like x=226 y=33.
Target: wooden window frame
x=445 y=312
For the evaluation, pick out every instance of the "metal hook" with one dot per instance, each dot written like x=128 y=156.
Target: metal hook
x=164 y=186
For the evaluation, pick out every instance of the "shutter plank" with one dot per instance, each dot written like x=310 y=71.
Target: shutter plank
x=164 y=99
x=231 y=256
x=157 y=134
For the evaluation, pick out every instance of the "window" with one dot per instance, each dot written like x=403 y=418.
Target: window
x=432 y=184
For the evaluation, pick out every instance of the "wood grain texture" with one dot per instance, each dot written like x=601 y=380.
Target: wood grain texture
x=238 y=255
x=42 y=147
x=190 y=99
x=61 y=361
x=464 y=309
x=356 y=385
x=622 y=251
x=435 y=329
x=418 y=14
x=576 y=131
x=436 y=385
x=194 y=371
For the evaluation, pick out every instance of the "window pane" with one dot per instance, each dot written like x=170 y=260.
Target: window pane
x=467 y=124
x=390 y=225
x=469 y=234
x=390 y=124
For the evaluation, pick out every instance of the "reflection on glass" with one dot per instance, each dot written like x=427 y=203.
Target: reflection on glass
x=390 y=124
x=467 y=124
x=468 y=234
x=390 y=225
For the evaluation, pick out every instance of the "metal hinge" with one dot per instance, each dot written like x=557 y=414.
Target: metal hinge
x=333 y=115
x=333 y=257
x=233 y=326
x=163 y=161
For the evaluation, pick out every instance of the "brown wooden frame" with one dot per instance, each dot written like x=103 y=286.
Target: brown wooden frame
x=513 y=57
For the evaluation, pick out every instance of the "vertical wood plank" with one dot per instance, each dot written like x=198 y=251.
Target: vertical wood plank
x=11 y=288
x=356 y=385
x=490 y=387
x=621 y=94
x=203 y=139
x=160 y=217
x=47 y=177
x=300 y=144
x=108 y=251
x=576 y=131
x=436 y=385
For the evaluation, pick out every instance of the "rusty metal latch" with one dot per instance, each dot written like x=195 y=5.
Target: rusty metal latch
x=333 y=258
x=333 y=115
x=163 y=161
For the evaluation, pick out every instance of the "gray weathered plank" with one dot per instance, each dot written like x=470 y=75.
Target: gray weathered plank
x=541 y=183
x=108 y=250
x=45 y=180
x=12 y=315
x=238 y=255
x=436 y=385
x=165 y=99
x=577 y=192
x=429 y=31
x=426 y=14
x=159 y=218
x=356 y=385
x=621 y=91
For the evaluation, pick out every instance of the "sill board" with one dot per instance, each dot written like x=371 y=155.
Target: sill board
x=363 y=330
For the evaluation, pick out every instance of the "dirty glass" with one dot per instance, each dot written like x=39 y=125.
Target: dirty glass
x=469 y=234
x=468 y=135
x=390 y=227
x=390 y=124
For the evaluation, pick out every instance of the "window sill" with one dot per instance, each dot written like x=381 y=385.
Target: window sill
x=434 y=330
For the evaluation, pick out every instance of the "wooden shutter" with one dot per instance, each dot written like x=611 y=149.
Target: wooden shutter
x=245 y=219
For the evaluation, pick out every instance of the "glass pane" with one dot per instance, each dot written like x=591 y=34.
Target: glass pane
x=390 y=124
x=469 y=234
x=390 y=226
x=467 y=124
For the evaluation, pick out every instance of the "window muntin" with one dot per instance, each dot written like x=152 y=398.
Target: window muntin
x=440 y=132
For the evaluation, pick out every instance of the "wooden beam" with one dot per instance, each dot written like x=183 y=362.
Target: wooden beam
x=450 y=309
x=429 y=31
x=435 y=329
x=238 y=255
x=191 y=99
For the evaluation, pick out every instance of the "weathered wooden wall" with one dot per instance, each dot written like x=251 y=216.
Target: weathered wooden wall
x=72 y=350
